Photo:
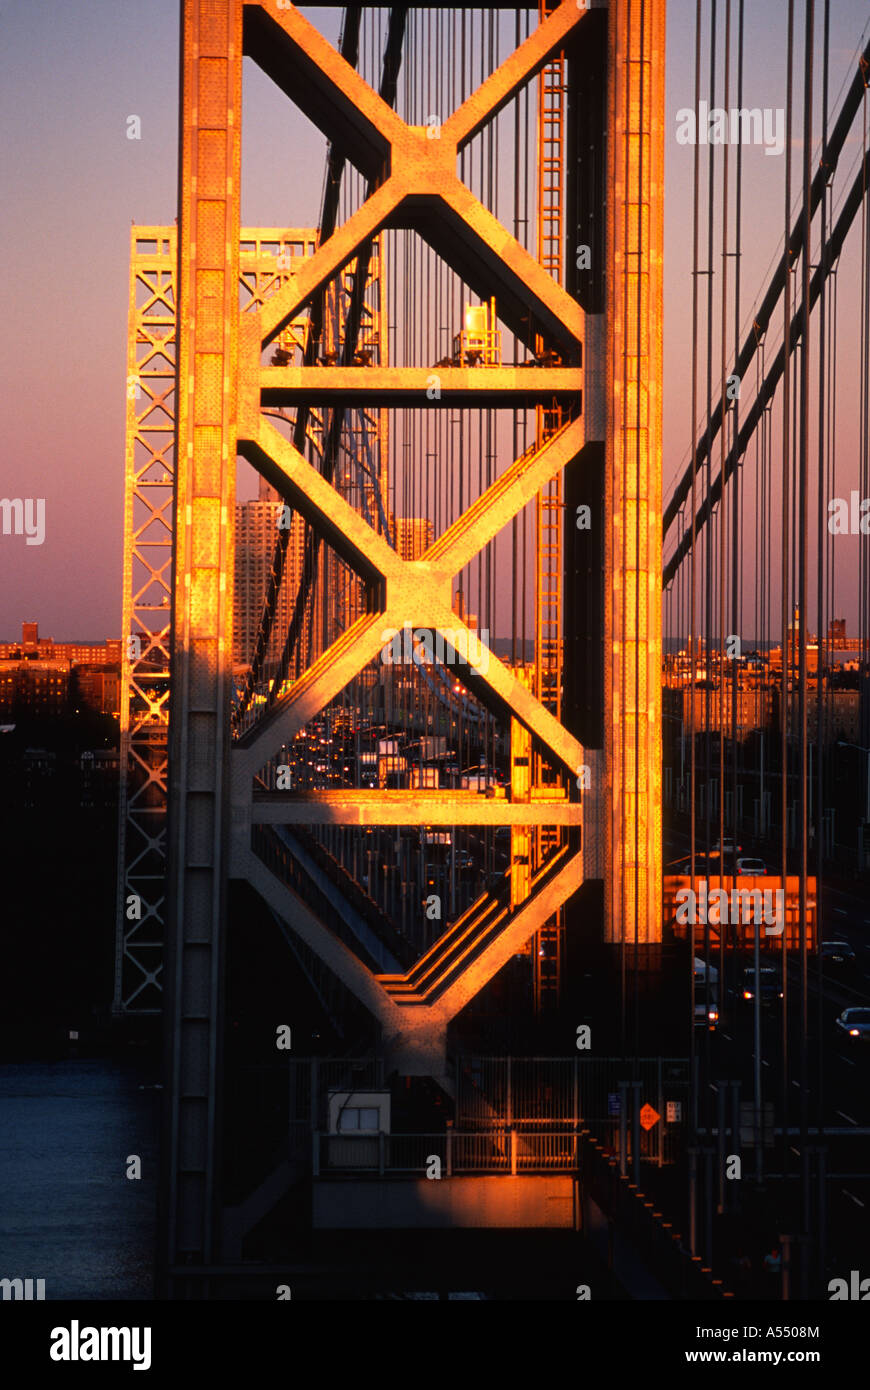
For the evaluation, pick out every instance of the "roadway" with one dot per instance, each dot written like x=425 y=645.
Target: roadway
x=837 y=1073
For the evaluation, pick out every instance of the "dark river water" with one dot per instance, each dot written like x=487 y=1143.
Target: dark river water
x=68 y=1212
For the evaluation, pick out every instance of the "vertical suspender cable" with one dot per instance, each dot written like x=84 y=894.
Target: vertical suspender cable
x=736 y=528
x=786 y=441
x=802 y=539
x=723 y=433
x=693 y=659
x=821 y=663
x=709 y=547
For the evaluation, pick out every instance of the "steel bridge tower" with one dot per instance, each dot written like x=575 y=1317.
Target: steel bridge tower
x=597 y=385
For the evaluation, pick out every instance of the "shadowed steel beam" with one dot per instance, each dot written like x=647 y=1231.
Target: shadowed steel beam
x=306 y=67
x=515 y=276
x=347 y=807
x=340 y=959
x=511 y=388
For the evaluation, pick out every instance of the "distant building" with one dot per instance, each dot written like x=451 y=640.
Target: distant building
x=41 y=676
x=97 y=688
x=841 y=715
x=34 y=687
x=31 y=645
x=256 y=534
x=414 y=535
x=754 y=709
x=98 y=782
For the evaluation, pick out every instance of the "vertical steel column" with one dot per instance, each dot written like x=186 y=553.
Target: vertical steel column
x=633 y=566
x=208 y=312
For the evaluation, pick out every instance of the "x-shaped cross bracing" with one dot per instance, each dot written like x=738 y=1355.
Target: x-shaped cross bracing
x=417 y=182
x=415 y=592
x=411 y=169
x=413 y=184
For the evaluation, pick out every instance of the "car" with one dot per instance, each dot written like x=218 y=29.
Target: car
x=706 y=1008
x=837 y=953
x=754 y=868
x=768 y=984
x=726 y=847
x=854 y=1024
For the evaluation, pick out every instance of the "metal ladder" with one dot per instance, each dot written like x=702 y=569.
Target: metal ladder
x=548 y=944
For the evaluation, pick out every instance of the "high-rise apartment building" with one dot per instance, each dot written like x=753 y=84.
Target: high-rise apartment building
x=414 y=535
x=257 y=530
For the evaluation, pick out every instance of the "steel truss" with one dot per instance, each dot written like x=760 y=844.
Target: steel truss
x=266 y=259
x=217 y=801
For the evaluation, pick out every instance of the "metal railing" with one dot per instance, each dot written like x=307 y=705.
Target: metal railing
x=504 y=1151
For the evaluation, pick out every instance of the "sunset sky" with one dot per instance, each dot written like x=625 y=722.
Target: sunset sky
x=70 y=75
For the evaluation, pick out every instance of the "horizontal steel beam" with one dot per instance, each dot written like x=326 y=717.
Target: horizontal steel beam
x=444 y=387
x=376 y=808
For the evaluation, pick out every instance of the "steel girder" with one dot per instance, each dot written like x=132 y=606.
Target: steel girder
x=414 y=184
x=218 y=413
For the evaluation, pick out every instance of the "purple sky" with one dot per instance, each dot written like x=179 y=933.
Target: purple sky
x=70 y=75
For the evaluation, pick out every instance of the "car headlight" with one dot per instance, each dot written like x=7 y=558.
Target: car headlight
x=747 y=994
x=854 y=1032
